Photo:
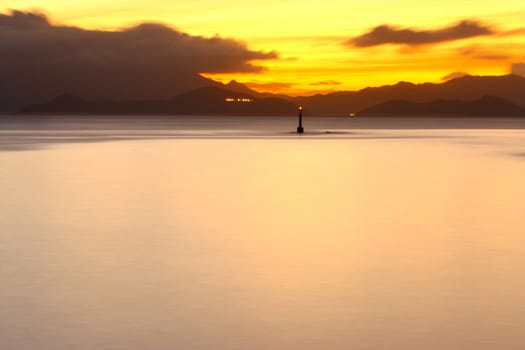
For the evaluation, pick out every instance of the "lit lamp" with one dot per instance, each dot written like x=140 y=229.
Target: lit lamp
x=300 y=128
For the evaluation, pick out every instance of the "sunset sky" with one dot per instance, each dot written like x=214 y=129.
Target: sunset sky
x=326 y=45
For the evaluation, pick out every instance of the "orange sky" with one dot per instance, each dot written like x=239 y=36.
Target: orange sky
x=310 y=36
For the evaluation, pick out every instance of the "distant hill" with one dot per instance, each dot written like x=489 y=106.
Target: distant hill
x=213 y=99
x=15 y=94
x=209 y=100
x=238 y=87
x=467 y=88
x=486 y=106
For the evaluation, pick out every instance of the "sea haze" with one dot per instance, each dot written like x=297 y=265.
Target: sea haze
x=235 y=233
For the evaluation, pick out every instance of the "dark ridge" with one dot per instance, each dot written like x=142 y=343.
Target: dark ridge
x=209 y=100
x=486 y=106
x=467 y=88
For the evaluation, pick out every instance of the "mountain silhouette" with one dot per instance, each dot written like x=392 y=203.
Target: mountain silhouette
x=491 y=95
x=467 y=88
x=235 y=86
x=487 y=106
x=238 y=87
x=210 y=100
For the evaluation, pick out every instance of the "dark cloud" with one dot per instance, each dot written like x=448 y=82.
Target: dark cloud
x=39 y=60
x=386 y=34
x=326 y=82
x=518 y=69
x=454 y=75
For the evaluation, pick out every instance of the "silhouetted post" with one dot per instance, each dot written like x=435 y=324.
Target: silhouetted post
x=300 y=128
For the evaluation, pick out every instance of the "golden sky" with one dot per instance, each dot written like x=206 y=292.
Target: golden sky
x=311 y=36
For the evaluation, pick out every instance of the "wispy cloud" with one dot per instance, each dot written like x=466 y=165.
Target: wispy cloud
x=481 y=53
x=326 y=82
x=269 y=85
x=513 y=32
x=386 y=34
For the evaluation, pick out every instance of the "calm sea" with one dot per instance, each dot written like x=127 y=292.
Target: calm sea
x=234 y=233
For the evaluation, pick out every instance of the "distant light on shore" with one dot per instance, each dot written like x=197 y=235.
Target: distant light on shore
x=239 y=99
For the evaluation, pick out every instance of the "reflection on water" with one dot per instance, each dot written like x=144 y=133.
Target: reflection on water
x=275 y=243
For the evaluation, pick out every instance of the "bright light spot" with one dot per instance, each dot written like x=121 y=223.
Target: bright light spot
x=238 y=99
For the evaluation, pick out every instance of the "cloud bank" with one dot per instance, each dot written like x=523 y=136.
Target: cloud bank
x=386 y=34
x=39 y=60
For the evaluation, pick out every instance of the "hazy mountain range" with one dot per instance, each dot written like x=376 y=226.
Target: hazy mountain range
x=486 y=106
x=467 y=88
x=209 y=100
x=463 y=96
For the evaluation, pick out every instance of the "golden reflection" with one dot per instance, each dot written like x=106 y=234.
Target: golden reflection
x=221 y=239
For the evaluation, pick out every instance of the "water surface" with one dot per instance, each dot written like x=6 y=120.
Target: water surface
x=202 y=235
